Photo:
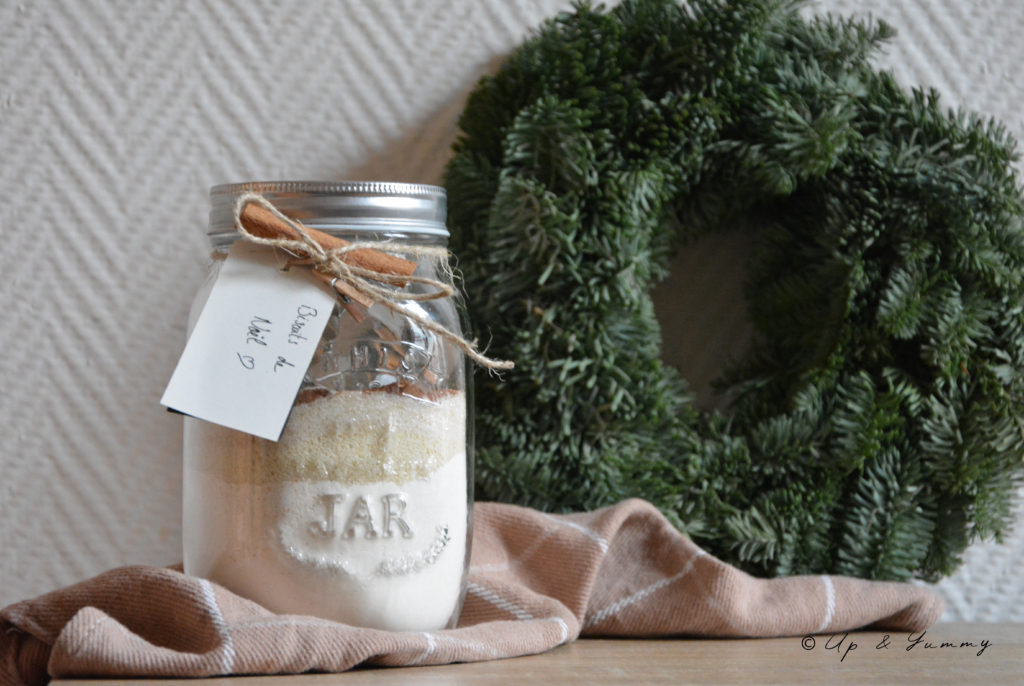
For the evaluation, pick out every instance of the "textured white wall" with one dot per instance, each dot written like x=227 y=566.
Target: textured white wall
x=117 y=116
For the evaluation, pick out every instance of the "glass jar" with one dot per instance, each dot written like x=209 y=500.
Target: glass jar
x=361 y=512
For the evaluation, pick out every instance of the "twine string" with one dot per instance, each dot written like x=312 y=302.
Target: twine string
x=381 y=288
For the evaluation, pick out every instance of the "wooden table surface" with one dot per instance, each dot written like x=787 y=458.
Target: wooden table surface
x=940 y=656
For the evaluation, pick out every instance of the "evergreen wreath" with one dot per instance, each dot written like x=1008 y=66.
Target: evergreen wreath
x=876 y=428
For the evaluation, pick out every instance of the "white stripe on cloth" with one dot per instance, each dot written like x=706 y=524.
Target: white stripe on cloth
x=478 y=646
x=428 y=651
x=586 y=531
x=830 y=604
x=532 y=548
x=227 y=648
x=633 y=598
x=497 y=601
x=513 y=609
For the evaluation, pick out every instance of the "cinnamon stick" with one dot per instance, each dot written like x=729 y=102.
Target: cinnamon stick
x=261 y=222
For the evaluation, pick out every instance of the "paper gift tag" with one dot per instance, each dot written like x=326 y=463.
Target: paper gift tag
x=252 y=344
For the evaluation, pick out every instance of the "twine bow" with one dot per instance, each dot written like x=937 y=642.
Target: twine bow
x=373 y=286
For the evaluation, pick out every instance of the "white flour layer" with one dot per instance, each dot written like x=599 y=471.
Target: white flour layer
x=350 y=546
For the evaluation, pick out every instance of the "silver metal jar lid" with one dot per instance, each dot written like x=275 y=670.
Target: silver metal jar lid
x=350 y=205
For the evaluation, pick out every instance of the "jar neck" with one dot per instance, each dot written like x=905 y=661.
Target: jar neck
x=222 y=242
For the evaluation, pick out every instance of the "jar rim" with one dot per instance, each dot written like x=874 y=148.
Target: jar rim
x=353 y=205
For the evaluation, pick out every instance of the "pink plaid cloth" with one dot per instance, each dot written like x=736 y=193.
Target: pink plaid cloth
x=537 y=581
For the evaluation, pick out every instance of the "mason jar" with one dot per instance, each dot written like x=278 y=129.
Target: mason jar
x=361 y=512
